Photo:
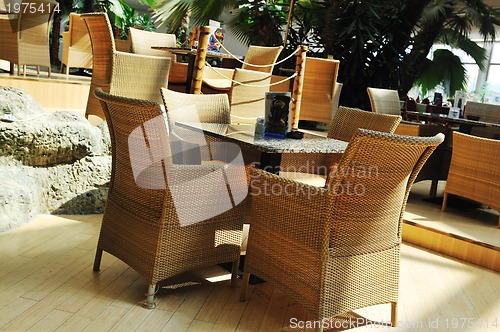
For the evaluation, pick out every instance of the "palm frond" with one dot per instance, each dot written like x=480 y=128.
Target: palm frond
x=451 y=38
x=444 y=69
x=170 y=13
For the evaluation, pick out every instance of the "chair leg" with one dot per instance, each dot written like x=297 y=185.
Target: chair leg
x=38 y=70
x=244 y=286
x=97 y=259
x=234 y=273
x=67 y=71
x=61 y=68
x=433 y=189
x=394 y=313
x=49 y=70
x=320 y=327
x=150 y=302
x=445 y=200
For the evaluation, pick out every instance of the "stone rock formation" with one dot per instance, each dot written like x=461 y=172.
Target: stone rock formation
x=49 y=163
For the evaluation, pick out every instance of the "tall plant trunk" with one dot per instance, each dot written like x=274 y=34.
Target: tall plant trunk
x=424 y=40
x=54 y=40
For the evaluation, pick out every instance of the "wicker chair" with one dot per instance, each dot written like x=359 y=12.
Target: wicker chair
x=312 y=168
x=77 y=49
x=387 y=101
x=25 y=36
x=248 y=99
x=474 y=170
x=161 y=218
x=384 y=101
x=318 y=91
x=212 y=108
x=330 y=250
x=123 y=74
x=219 y=78
x=142 y=41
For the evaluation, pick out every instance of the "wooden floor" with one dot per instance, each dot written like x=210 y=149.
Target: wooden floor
x=47 y=284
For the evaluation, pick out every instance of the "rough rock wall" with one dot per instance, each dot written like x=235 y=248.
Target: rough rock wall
x=49 y=163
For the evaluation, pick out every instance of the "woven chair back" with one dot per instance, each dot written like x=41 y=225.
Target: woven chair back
x=384 y=101
x=198 y=108
x=142 y=41
x=370 y=187
x=79 y=34
x=261 y=55
x=248 y=99
x=103 y=46
x=212 y=108
x=130 y=79
x=346 y=122
x=475 y=169
x=318 y=90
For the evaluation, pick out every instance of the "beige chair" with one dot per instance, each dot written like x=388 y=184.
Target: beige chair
x=163 y=219
x=312 y=168
x=76 y=48
x=384 y=101
x=142 y=42
x=484 y=112
x=213 y=108
x=474 y=170
x=319 y=90
x=24 y=37
x=199 y=108
x=330 y=250
x=123 y=74
x=247 y=95
x=262 y=57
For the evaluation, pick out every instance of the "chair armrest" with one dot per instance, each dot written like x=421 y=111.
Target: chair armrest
x=218 y=78
x=289 y=209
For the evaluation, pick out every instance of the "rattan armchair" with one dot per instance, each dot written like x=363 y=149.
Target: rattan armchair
x=142 y=42
x=76 y=48
x=474 y=170
x=318 y=90
x=247 y=96
x=312 y=168
x=261 y=56
x=24 y=36
x=337 y=249
x=161 y=218
x=120 y=73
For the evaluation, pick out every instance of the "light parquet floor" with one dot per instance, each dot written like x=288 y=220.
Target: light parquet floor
x=47 y=284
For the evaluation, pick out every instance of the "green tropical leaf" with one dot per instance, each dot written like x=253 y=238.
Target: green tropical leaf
x=444 y=69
